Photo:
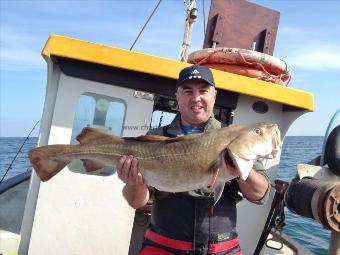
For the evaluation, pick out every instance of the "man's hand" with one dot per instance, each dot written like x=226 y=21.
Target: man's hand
x=135 y=191
x=254 y=187
x=128 y=171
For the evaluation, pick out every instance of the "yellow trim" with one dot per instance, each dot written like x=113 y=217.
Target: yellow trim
x=130 y=60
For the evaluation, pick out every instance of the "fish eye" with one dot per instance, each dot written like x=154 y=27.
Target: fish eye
x=258 y=131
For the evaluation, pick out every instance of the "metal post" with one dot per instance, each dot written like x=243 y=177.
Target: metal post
x=334 y=244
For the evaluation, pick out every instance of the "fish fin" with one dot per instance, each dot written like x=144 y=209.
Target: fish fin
x=147 y=138
x=46 y=165
x=182 y=138
x=218 y=191
x=95 y=136
x=217 y=186
x=91 y=165
x=215 y=173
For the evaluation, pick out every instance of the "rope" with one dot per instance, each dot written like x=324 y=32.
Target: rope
x=255 y=64
x=205 y=60
x=322 y=160
x=16 y=155
x=141 y=31
x=191 y=17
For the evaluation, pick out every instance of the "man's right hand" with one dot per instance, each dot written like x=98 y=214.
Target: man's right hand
x=128 y=171
x=135 y=191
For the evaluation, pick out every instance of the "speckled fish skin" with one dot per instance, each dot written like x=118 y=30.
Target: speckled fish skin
x=168 y=164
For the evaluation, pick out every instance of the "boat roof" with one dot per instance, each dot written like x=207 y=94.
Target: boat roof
x=66 y=47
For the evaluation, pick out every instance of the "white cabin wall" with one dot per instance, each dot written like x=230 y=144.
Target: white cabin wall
x=53 y=75
x=79 y=213
x=252 y=217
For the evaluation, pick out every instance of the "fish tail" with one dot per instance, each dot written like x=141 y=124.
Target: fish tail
x=45 y=163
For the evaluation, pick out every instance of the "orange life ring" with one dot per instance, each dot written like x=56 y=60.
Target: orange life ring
x=250 y=72
x=273 y=68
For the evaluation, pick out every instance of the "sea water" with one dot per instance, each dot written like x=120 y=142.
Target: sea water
x=296 y=149
x=308 y=232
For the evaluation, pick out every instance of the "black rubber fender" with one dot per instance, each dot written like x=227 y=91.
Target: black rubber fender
x=332 y=151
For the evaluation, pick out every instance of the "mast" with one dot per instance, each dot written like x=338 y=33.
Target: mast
x=191 y=17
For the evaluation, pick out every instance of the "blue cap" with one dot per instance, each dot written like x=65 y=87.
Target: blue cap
x=195 y=72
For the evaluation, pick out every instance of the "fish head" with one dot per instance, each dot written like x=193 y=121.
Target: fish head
x=253 y=142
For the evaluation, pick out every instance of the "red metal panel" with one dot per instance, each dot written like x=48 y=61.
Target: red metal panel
x=241 y=24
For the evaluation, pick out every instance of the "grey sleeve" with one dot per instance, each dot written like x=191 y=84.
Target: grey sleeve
x=258 y=167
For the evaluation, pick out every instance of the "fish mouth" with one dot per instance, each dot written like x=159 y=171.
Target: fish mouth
x=240 y=166
x=270 y=156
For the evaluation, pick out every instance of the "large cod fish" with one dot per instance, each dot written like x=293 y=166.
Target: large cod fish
x=169 y=164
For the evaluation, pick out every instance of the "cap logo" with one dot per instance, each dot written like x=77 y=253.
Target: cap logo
x=194 y=72
x=193 y=75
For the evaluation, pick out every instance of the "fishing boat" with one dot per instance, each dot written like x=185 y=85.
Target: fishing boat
x=123 y=92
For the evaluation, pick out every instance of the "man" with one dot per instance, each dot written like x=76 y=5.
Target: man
x=189 y=222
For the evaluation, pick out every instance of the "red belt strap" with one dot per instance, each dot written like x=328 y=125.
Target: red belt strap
x=224 y=246
x=168 y=242
x=148 y=250
x=188 y=246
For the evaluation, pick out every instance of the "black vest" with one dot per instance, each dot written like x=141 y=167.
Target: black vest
x=188 y=218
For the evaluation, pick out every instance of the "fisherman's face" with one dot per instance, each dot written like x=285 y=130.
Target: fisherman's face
x=196 y=99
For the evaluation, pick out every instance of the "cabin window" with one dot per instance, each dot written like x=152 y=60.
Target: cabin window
x=98 y=111
x=161 y=118
x=101 y=112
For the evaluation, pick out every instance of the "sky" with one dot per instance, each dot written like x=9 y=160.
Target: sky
x=308 y=40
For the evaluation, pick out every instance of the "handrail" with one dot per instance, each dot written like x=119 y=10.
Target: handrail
x=322 y=160
x=16 y=155
x=15 y=180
